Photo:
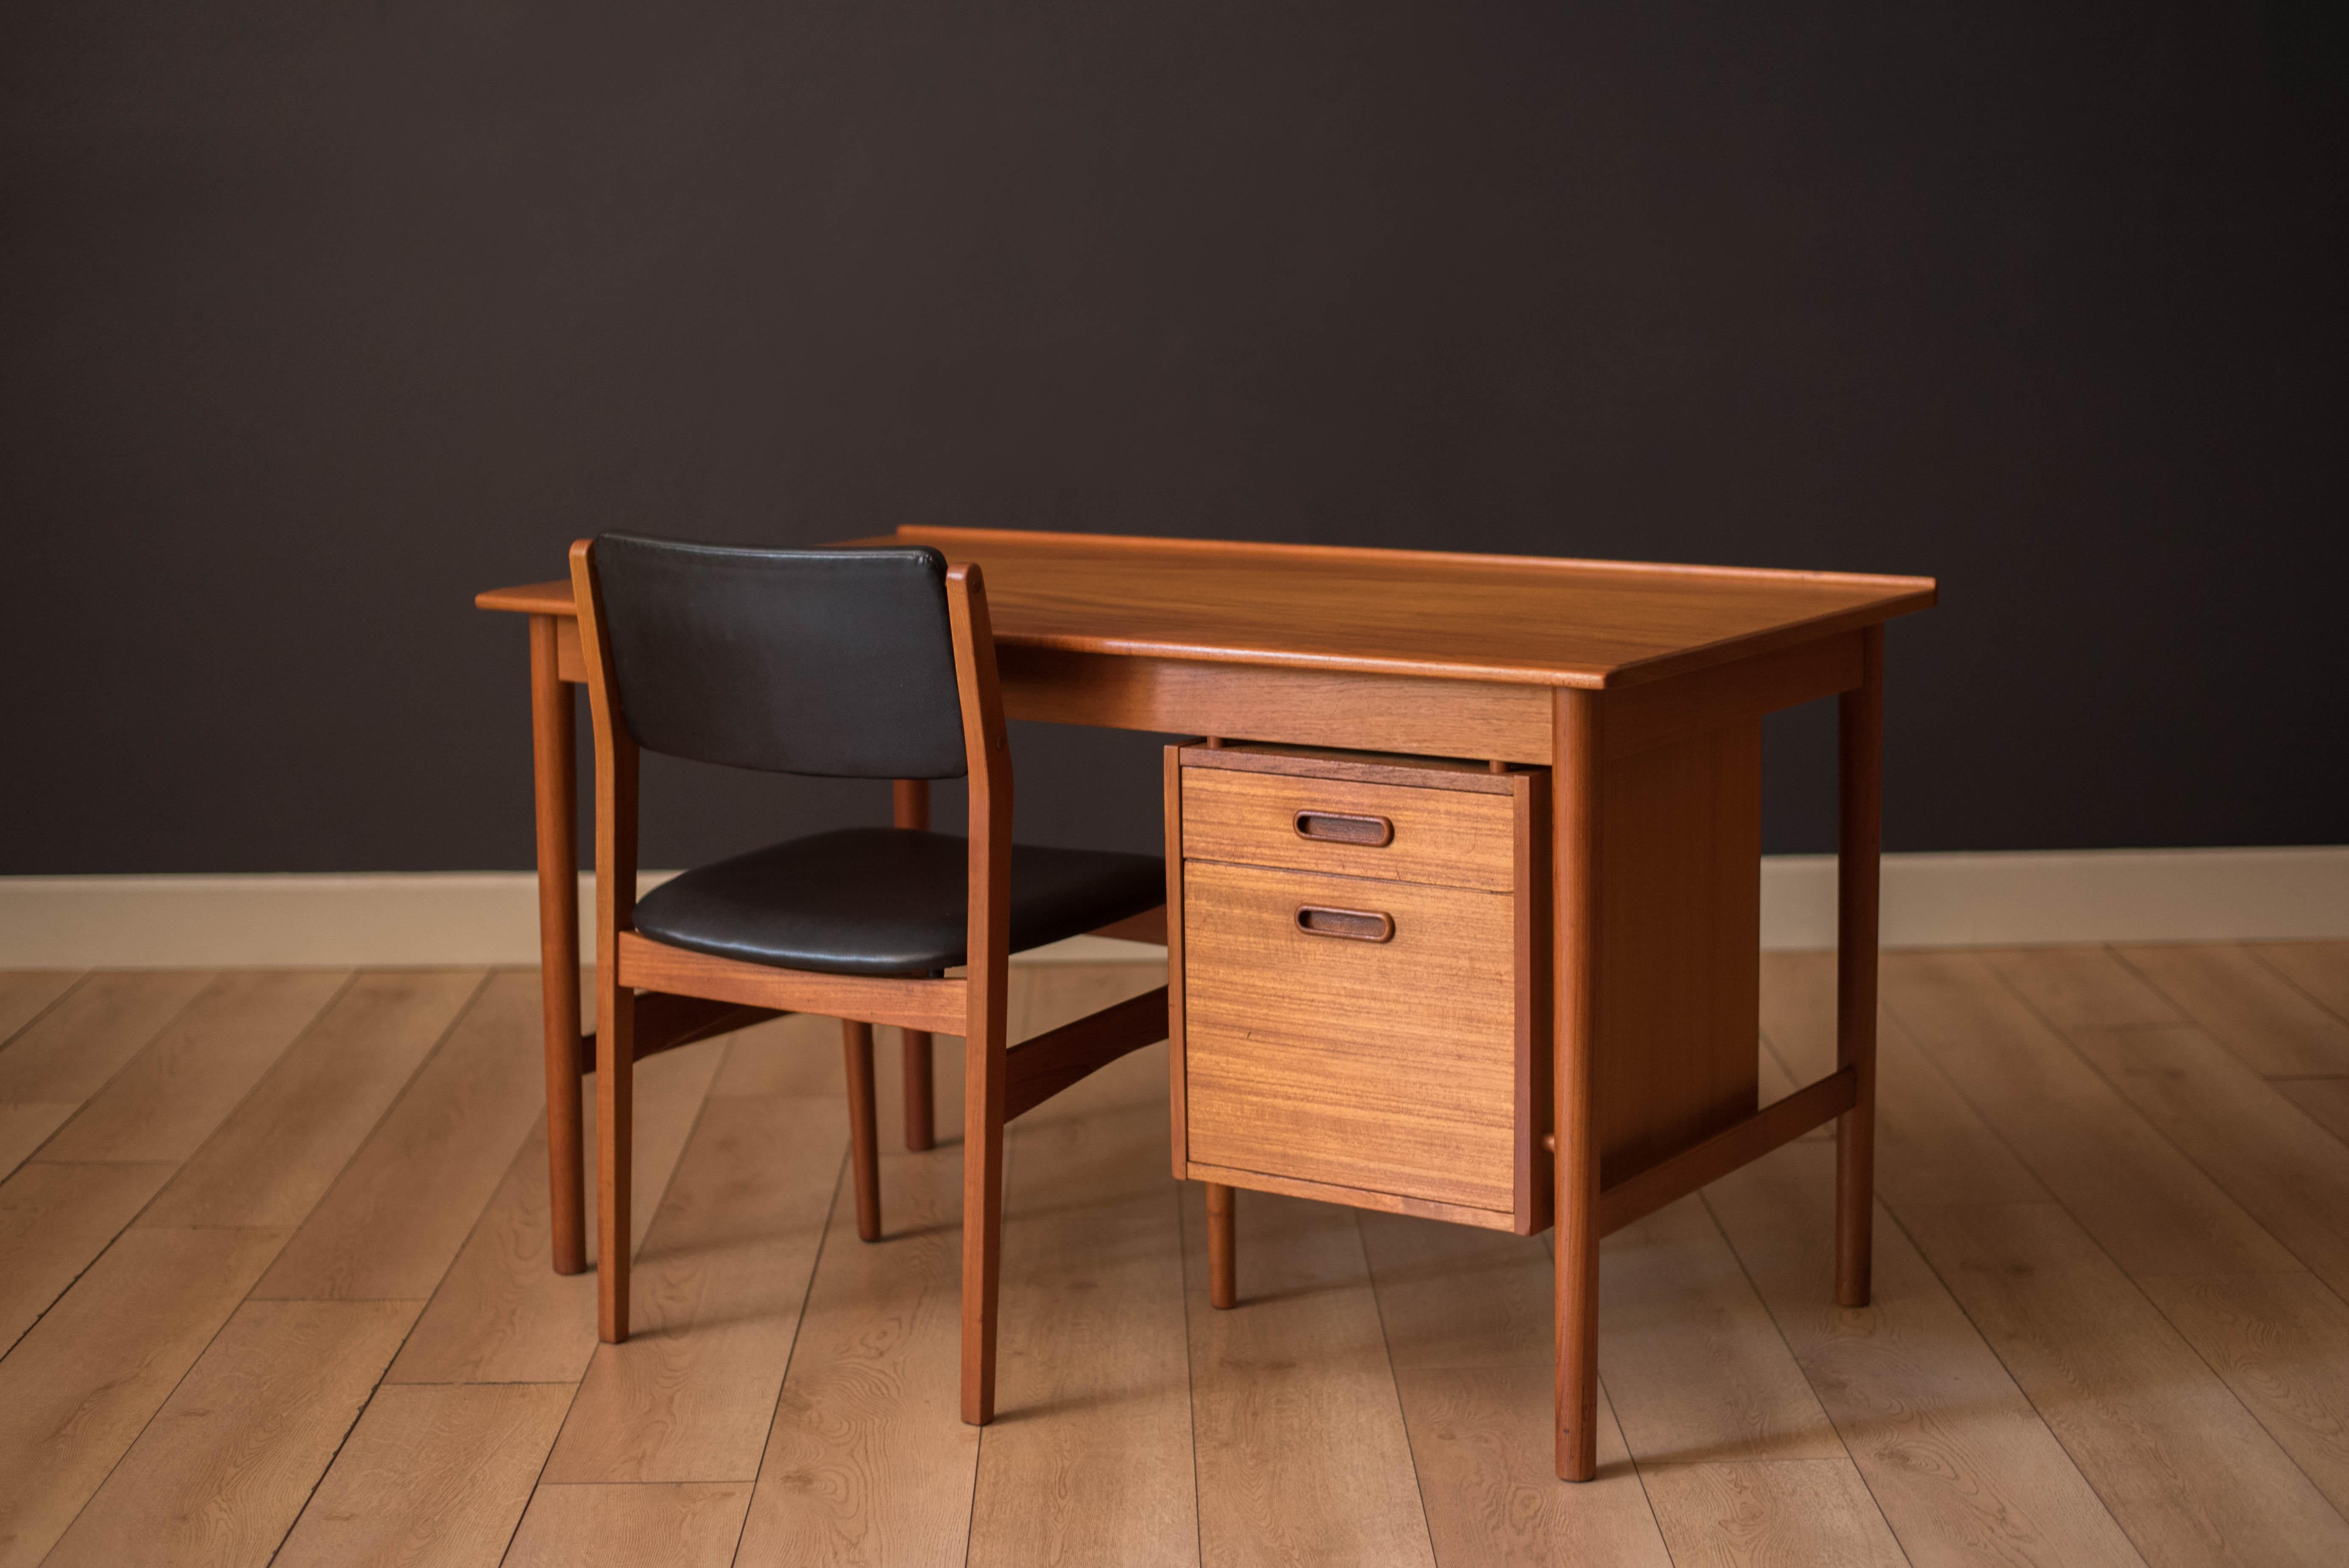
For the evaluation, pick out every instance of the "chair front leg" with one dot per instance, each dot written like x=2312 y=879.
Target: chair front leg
x=616 y=1071
x=865 y=1153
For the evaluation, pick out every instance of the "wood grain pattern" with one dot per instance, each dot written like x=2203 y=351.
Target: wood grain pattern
x=502 y=1314
x=184 y=1083
x=435 y=1476
x=281 y=1149
x=25 y=1127
x=1412 y=715
x=1411 y=772
x=79 y=1387
x=70 y=1050
x=1817 y=1512
x=54 y=1219
x=872 y=1398
x=1450 y=838
x=2282 y=1342
x=1932 y=1146
x=555 y=787
x=1098 y=1467
x=2321 y=970
x=223 y=1470
x=682 y=1524
x=1510 y=618
x=2274 y=1025
x=2288 y=1173
x=1518 y=618
x=1301 y=1452
x=27 y=994
x=1320 y=1058
x=1698 y=1370
x=2183 y=1467
x=1680 y=927
x=1859 y=833
x=2326 y=1101
x=395 y=1218
x=1961 y=1465
x=1468 y=1321
x=719 y=1288
x=798 y=1055
x=2142 y=1200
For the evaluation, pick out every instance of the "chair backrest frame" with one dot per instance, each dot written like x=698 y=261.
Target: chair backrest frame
x=987 y=760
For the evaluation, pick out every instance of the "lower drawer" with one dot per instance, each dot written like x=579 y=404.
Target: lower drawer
x=1352 y=1033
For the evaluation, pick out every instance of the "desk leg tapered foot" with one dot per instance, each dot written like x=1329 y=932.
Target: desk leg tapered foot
x=1222 y=1277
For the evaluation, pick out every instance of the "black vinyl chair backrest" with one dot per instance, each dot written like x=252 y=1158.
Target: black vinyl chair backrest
x=838 y=663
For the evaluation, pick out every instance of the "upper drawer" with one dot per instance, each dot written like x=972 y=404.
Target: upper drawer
x=1449 y=838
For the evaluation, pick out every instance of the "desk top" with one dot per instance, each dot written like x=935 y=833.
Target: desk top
x=1517 y=619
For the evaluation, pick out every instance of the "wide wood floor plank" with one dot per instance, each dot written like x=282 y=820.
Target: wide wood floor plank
x=220 y=1475
x=395 y=1218
x=70 y=1050
x=1815 y=1512
x=1468 y=1328
x=81 y=1386
x=2137 y=1194
x=2185 y=1469
x=54 y=1219
x=1696 y=1367
x=2288 y=1172
x=501 y=1314
x=1961 y=1465
x=27 y=994
x=27 y=1125
x=2276 y=1028
x=2319 y=968
x=1930 y=1147
x=873 y=1393
x=1089 y=1459
x=1302 y=1456
x=279 y=1150
x=673 y=1524
x=2325 y=1100
x=716 y=1297
x=432 y=1477
x=186 y=1081
x=2282 y=1342
x=797 y=1055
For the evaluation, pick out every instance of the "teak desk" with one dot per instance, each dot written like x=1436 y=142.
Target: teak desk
x=1639 y=687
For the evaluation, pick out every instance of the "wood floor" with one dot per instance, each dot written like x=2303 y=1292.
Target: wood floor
x=274 y=1288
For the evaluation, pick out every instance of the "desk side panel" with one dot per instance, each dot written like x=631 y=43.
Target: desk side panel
x=1679 y=917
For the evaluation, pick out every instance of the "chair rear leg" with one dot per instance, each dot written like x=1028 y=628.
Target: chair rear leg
x=616 y=1070
x=865 y=1153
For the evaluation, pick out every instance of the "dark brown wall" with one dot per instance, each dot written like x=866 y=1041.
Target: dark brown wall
x=314 y=318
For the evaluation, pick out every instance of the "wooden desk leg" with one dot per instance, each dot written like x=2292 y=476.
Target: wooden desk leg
x=1223 y=1279
x=554 y=770
x=911 y=801
x=1860 y=791
x=1574 y=848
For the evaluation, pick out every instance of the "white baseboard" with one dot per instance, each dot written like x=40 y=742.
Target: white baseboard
x=1929 y=901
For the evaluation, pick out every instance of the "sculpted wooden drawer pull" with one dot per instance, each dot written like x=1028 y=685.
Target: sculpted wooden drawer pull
x=1343 y=828
x=1354 y=925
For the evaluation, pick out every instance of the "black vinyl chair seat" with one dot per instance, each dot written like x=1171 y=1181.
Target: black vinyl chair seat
x=886 y=901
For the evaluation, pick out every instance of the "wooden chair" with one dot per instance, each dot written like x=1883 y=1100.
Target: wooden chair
x=856 y=663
